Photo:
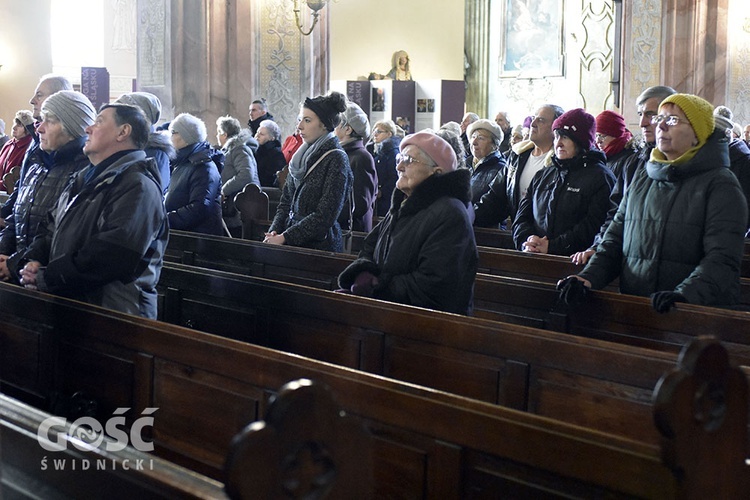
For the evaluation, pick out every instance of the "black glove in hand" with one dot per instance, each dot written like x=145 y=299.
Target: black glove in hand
x=572 y=290
x=663 y=301
x=364 y=285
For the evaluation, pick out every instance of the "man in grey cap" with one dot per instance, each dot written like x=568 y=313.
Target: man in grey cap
x=159 y=147
x=351 y=131
x=108 y=231
x=62 y=134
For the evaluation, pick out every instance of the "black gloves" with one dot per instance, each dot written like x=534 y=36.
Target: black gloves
x=663 y=301
x=572 y=290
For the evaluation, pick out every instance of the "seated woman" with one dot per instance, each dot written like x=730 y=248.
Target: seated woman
x=269 y=157
x=678 y=234
x=239 y=168
x=12 y=152
x=193 y=200
x=567 y=201
x=318 y=182
x=423 y=253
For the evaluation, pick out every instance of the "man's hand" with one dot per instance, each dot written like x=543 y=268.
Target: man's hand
x=535 y=244
x=29 y=274
x=580 y=258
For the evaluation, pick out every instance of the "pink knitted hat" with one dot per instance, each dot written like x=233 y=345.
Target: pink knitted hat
x=435 y=147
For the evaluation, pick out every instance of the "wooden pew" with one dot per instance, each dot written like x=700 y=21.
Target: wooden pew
x=77 y=463
x=428 y=444
x=611 y=316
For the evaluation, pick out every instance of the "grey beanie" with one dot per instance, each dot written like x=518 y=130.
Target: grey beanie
x=723 y=118
x=191 y=128
x=73 y=109
x=149 y=103
x=356 y=119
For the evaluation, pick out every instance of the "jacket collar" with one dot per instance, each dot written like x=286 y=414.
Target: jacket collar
x=713 y=154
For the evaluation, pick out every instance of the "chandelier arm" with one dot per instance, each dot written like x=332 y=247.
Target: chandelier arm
x=299 y=24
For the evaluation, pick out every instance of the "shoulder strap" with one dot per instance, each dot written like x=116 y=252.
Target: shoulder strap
x=319 y=160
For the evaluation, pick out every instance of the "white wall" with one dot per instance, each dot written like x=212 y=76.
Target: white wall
x=366 y=33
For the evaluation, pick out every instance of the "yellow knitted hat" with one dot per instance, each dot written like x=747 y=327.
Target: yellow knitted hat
x=699 y=112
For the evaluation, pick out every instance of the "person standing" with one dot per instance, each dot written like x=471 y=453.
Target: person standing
x=678 y=235
x=319 y=179
x=384 y=148
x=62 y=135
x=485 y=138
x=13 y=151
x=109 y=228
x=194 y=198
x=351 y=131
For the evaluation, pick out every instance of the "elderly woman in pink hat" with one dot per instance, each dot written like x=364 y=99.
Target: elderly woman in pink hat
x=423 y=252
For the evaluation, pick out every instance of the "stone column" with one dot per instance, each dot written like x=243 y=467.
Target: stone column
x=477 y=54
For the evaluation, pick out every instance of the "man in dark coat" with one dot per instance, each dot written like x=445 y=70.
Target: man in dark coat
x=107 y=234
x=258 y=112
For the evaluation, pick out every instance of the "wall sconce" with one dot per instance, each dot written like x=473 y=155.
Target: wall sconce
x=314 y=6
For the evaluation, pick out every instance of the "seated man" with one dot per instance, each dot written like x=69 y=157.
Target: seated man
x=105 y=239
x=678 y=234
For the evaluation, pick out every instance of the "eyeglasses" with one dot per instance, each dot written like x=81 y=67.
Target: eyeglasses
x=602 y=137
x=408 y=160
x=378 y=132
x=669 y=120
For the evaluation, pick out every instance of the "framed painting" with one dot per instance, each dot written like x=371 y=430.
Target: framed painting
x=532 y=39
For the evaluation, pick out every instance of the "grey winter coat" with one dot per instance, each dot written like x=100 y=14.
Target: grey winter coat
x=106 y=238
x=308 y=211
x=239 y=170
x=678 y=228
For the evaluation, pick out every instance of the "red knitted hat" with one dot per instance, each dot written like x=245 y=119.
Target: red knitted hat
x=611 y=124
x=579 y=126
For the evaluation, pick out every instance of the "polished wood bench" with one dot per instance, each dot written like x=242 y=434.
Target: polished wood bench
x=428 y=444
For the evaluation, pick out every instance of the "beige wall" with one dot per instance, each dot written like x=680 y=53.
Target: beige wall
x=24 y=52
x=366 y=33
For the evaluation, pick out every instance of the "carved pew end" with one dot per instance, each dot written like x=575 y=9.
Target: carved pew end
x=701 y=410
x=306 y=447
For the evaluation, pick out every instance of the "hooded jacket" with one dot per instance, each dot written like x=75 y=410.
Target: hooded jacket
x=679 y=228
x=239 y=170
x=109 y=238
x=423 y=251
x=160 y=148
x=567 y=202
x=193 y=200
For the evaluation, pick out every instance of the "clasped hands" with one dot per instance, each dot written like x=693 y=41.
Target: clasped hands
x=274 y=238
x=364 y=285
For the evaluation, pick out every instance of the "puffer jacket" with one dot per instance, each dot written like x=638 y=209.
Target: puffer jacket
x=484 y=174
x=308 y=210
x=193 y=201
x=270 y=160
x=739 y=164
x=567 y=202
x=46 y=177
x=423 y=251
x=679 y=228
x=109 y=237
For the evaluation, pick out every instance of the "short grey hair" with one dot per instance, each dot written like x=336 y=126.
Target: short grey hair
x=659 y=91
x=56 y=82
x=229 y=125
x=272 y=127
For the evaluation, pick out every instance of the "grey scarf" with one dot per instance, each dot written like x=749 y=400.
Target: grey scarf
x=301 y=159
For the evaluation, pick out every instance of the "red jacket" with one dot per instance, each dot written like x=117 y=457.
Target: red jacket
x=11 y=155
x=290 y=146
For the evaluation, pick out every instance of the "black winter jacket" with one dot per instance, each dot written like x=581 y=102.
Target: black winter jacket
x=679 y=228
x=385 y=165
x=567 y=202
x=424 y=250
x=739 y=164
x=484 y=173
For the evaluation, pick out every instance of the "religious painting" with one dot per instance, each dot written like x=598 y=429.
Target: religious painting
x=532 y=39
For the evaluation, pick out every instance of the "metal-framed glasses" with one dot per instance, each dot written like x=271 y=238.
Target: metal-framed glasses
x=408 y=160
x=669 y=120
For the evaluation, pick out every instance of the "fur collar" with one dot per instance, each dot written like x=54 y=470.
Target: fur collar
x=239 y=140
x=162 y=143
x=456 y=184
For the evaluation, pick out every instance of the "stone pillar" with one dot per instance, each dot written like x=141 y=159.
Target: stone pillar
x=154 y=51
x=477 y=54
